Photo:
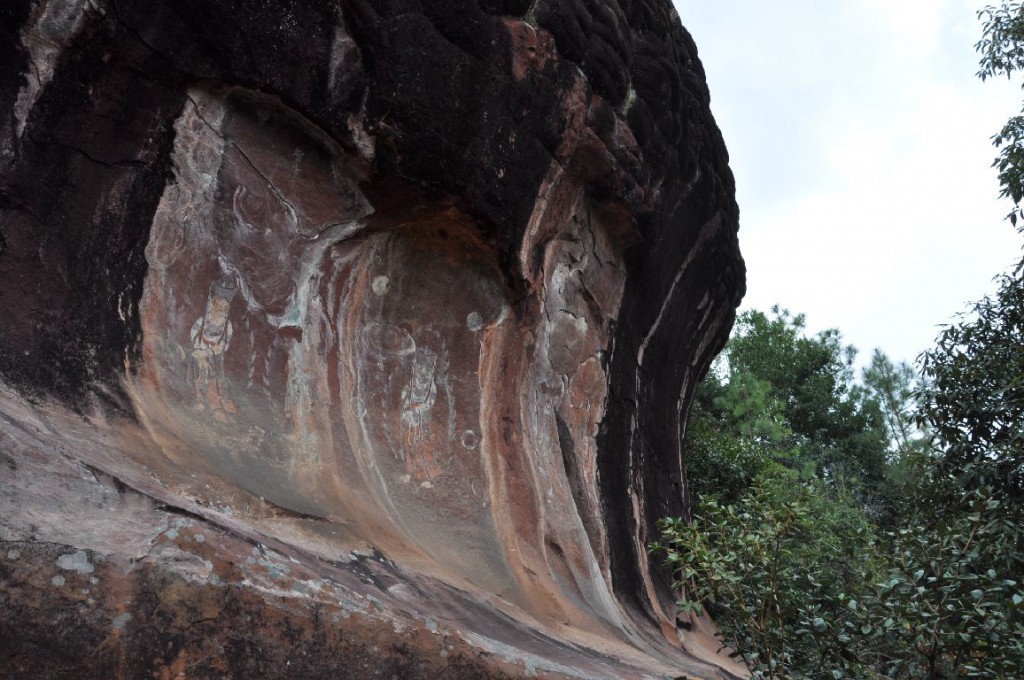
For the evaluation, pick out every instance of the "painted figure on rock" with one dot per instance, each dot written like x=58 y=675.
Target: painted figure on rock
x=211 y=337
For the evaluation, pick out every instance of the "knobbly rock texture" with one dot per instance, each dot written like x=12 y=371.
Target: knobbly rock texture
x=352 y=338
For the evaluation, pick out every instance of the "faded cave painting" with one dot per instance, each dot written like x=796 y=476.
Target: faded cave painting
x=372 y=373
x=410 y=436
x=211 y=337
x=418 y=397
x=417 y=358
x=231 y=311
x=311 y=360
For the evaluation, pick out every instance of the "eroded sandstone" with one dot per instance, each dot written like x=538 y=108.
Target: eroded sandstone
x=352 y=337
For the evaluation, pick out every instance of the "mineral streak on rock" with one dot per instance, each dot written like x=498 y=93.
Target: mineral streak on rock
x=351 y=337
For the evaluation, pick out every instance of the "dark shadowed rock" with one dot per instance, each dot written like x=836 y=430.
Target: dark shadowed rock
x=352 y=339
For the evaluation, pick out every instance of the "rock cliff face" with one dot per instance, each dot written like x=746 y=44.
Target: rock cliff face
x=352 y=338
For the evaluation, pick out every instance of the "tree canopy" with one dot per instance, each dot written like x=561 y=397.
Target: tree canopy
x=791 y=400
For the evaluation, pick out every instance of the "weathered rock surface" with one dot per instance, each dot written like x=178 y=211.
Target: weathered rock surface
x=352 y=338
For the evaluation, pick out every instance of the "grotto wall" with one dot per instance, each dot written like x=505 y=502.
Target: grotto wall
x=352 y=338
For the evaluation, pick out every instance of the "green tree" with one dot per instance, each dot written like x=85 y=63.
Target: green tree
x=1002 y=54
x=974 y=402
x=781 y=395
x=780 y=570
x=949 y=607
x=798 y=578
x=895 y=387
x=802 y=588
x=737 y=428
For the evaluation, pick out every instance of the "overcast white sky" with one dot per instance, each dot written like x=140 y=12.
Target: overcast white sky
x=859 y=136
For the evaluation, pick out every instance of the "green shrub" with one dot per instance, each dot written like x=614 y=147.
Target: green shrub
x=776 y=570
x=951 y=606
x=801 y=587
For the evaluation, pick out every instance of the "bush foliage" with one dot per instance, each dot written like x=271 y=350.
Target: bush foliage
x=815 y=569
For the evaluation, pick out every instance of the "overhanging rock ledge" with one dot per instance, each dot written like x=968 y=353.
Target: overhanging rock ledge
x=352 y=338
